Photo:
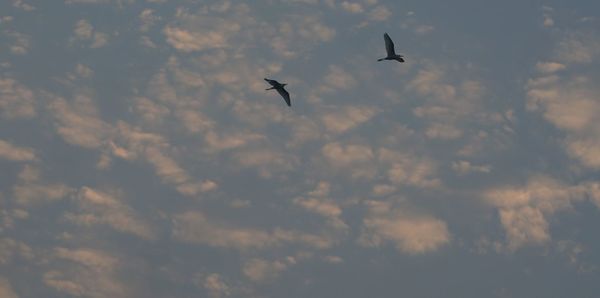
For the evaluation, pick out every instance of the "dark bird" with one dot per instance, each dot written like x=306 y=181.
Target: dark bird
x=389 y=48
x=279 y=87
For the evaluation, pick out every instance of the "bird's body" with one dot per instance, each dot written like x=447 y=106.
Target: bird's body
x=279 y=87
x=389 y=48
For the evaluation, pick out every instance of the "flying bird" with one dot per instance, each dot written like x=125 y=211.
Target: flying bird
x=389 y=48
x=279 y=87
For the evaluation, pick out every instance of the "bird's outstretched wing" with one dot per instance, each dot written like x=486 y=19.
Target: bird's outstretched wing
x=389 y=45
x=285 y=95
x=272 y=82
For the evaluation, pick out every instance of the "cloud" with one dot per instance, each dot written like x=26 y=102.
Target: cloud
x=524 y=225
x=524 y=210
x=317 y=202
x=337 y=79
x=259 y=270
x=6 y=289
x=346 y=155
x=549 y=67
x=22 y=43
x=357 y=160
x=380 y=13
x=84 y=271
x=16 y=100
x=86 y=1
x=98 y=208
x=187 y=41
x=464 y=167
x=347 y=118
x=148 y=19
x=547 y=14
x=22 y=5
x=11 y=152
x=570 y=105
x=267 y=161
x=11 y=249
x=352 y=7
x=79 y=122
x=412 y=234
x=424 y=29
x=84 y=31
x=452 y=102
x=31 y=191
x=195 y=227
x=578 y=48
x=216 y=287
x=405 y=169
x=204 y=31
x=172 y=173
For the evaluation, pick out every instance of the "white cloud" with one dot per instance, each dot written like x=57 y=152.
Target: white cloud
x=346 y=155
x=88 y=272
x=524 y=225
x=187 y=41
x=147 y=19
x=443 y=131
x=84 y=31
x=86 y=1
x=354 y=159
x=578 y=48
x=424 y=29
x=380 y=13
x=98 y=208
x=346 y=118
x=14 y=153
x=11 y=249
x=352 y=7
x=31 y=191
x=412 y=234
x=571 y=105
x=216 y=287
x=172 y=173
x=22 y=43
x=16 y=100
x=195 y=227
x=524 y=210
x=317 y=202
x=405 y=169
x=464 y=167
x=22 y=5
x=79 y=122
x=265 y=160
x=259 y=270
x=6 y=290
x=206 y=30
x=337 y=79
x=549 y=67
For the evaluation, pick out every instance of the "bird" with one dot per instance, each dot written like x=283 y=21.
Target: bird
x=389 y=48
x=279 y=87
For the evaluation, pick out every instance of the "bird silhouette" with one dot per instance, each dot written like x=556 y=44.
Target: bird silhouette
x=389 y=48
x=279 y=87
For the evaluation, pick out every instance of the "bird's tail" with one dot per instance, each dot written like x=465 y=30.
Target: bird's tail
x=270 y=88
x=380 y=59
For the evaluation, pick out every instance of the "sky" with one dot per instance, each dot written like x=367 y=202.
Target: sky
x=141 y=155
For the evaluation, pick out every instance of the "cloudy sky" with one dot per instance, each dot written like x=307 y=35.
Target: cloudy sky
x=141 y=156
